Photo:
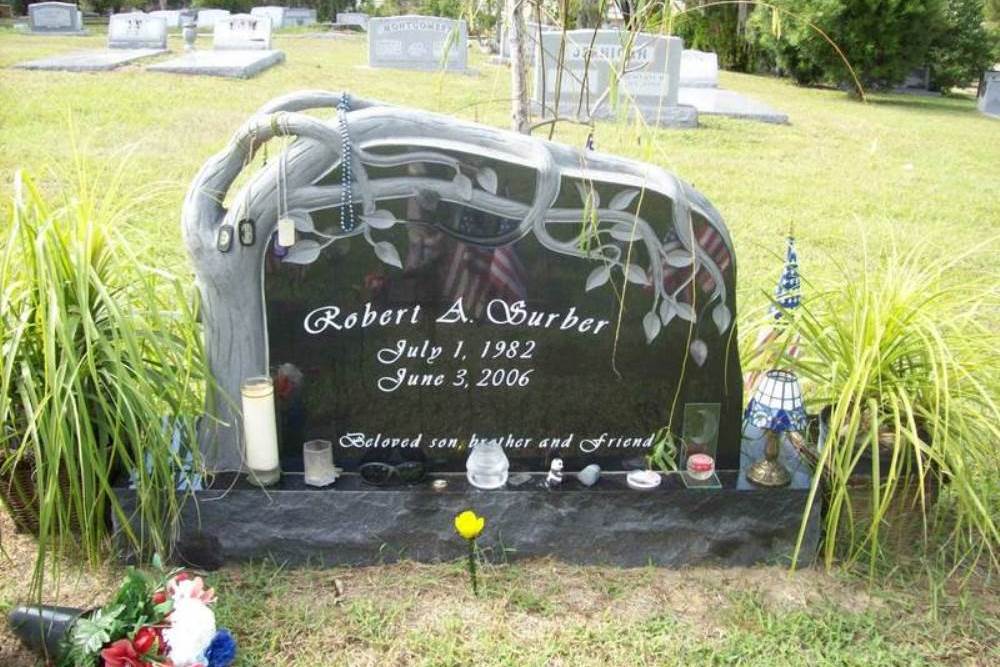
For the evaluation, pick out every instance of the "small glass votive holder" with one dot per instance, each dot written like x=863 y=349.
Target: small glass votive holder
x=317 y=457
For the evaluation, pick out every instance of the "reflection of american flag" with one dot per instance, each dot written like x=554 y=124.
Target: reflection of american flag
x=476 y=275
x=469 y=272
x=787 y=297
x=711 y=242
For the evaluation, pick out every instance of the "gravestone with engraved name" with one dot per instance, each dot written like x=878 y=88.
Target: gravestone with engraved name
x=595 y=69
x=418 y=42
x=492 y=287
x=137 y=31
x=55 y=18
x=241 y=48
x=242 y=32
x=461 y=285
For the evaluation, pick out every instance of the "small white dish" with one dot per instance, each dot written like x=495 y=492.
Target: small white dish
x=643 y=480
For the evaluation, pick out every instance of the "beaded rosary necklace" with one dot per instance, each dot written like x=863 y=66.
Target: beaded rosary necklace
x=346 y=198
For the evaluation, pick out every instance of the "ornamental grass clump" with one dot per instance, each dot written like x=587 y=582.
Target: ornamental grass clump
x=902 y=356
x=102 y=368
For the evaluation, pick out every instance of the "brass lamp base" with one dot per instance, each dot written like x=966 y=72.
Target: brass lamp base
x=768 y=473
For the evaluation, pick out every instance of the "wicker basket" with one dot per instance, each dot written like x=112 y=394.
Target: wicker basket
x=19 y=492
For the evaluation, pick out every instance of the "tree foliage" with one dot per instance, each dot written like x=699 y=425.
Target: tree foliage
x=965 y=48
x=882 y=39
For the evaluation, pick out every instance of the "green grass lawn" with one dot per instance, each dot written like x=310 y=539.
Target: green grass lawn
x=900 y=169
x=914 y=168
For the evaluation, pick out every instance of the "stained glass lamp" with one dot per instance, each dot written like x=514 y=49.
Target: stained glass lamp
x=778 y=408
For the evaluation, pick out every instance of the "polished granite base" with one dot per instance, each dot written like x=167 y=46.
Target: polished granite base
x=351 y=523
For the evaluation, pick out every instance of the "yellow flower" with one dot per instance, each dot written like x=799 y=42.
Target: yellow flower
x=469 y=525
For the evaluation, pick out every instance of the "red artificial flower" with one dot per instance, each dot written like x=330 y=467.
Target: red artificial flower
x=146 y=639
x=122 y=654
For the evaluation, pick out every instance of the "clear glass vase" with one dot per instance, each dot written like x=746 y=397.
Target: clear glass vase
x=487 y=465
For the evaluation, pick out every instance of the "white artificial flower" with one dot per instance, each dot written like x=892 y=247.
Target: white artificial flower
x=192 y=628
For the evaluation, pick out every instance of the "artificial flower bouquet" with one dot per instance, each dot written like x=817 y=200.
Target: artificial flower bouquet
x=153 y=621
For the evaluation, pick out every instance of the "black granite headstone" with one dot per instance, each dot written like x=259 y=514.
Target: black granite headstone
x=443 y=325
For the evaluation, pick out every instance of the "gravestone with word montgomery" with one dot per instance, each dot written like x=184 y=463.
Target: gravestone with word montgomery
x=241 y=48
x=55 y=18
x=131 y=37
x=609 y=72
x=418 y=42
x=463 y=284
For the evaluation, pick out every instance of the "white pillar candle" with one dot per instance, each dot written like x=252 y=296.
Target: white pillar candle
x=260 y=433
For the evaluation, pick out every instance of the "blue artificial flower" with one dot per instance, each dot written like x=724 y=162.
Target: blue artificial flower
x=222 y=651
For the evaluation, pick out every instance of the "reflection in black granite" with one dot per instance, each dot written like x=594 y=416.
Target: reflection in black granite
x=378 y=359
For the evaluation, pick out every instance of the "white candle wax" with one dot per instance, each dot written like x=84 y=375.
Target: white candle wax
x=260 y=432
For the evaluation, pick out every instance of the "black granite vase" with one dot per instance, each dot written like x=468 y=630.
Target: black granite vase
x=43 y=627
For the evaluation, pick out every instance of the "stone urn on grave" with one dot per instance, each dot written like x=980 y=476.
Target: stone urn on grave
x=190 y=33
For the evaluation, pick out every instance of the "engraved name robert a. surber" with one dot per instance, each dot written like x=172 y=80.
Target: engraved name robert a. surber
x=498 y=311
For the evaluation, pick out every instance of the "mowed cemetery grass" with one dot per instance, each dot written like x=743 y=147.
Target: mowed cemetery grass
x=852 y=178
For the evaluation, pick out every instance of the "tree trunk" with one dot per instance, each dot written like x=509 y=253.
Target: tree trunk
x=518 y=75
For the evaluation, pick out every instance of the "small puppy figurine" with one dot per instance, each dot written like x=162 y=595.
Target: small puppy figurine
x=555 y=476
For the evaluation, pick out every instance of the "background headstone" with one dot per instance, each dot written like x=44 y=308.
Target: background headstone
x=241 y=48
x=173 y=17
x=988 y=98
x=299 y=16
x=137 y=31
x=649 y=84
x=276 y=14
x=207 y=18
x=55 y=18
x=242 y=32
x=418 y=42
x=530 y=42
x=349 y=19
x=918 y=80
x=699 y=69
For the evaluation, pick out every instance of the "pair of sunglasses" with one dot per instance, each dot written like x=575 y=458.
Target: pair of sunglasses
x=381 y=474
